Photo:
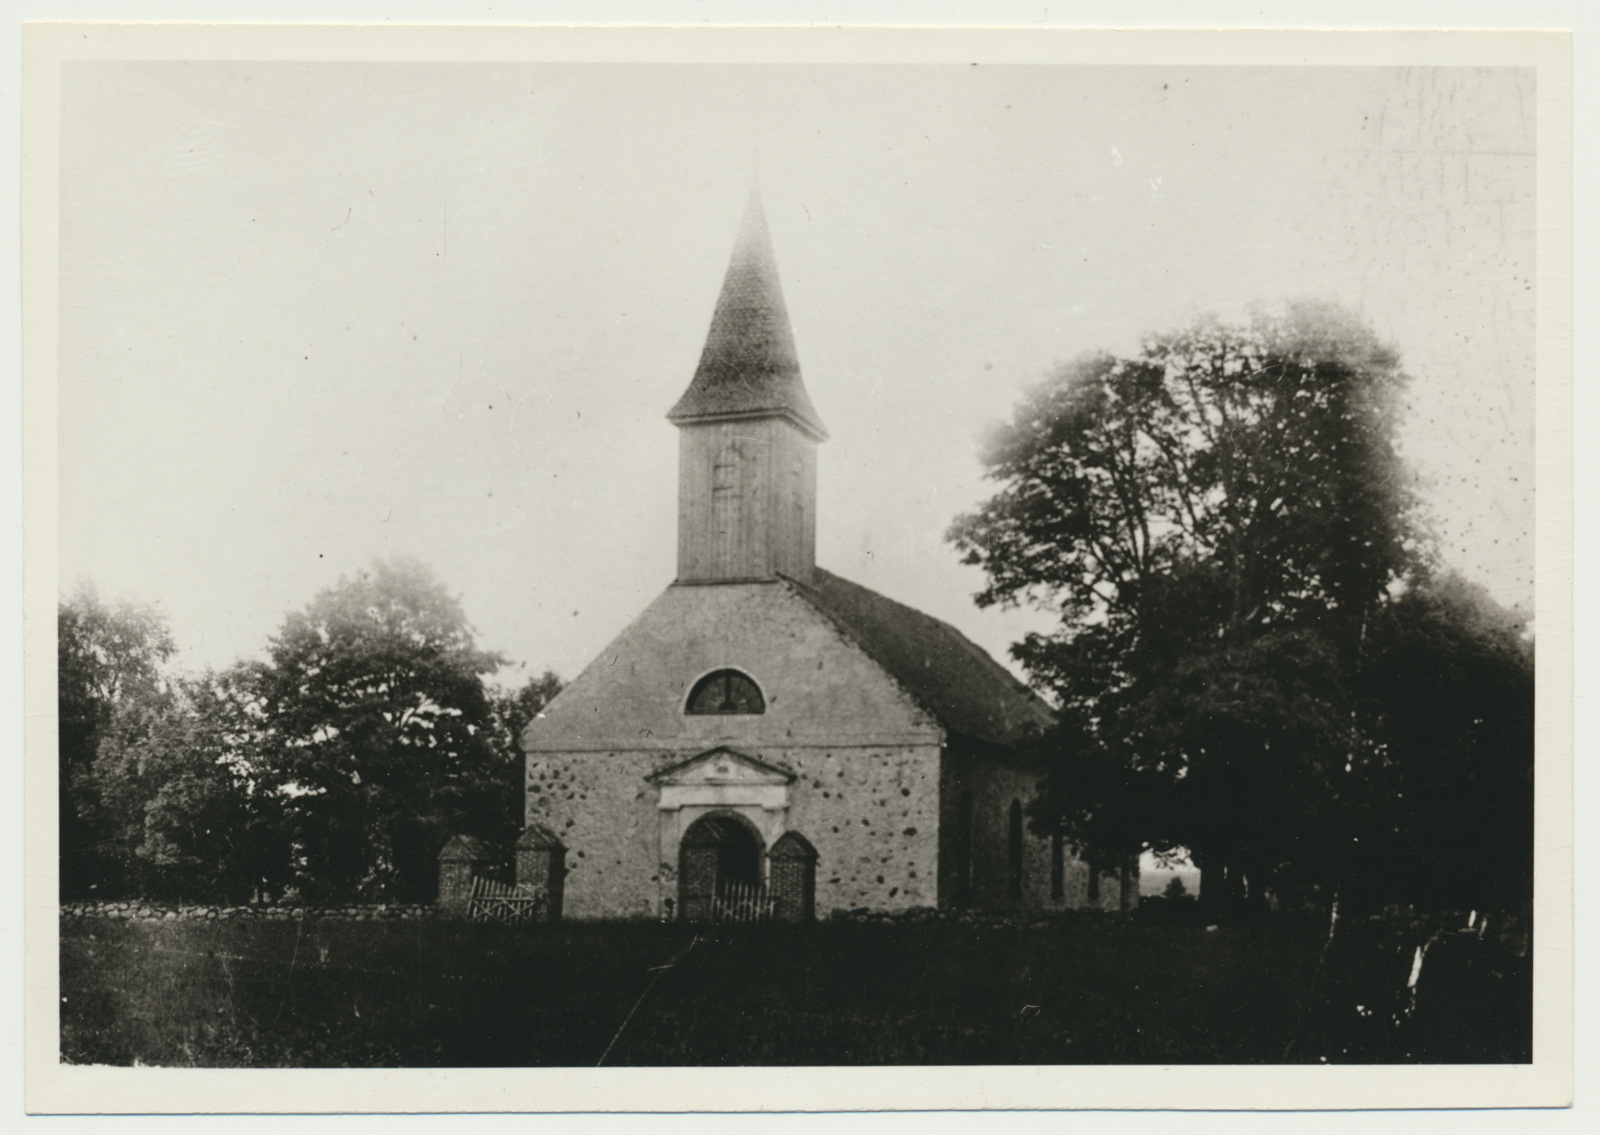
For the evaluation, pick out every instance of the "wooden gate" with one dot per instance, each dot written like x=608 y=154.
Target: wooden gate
x=497 y=902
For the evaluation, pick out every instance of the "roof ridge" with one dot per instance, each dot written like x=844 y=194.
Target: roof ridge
x=971 y=647
x=812 y=596
x=934 y=688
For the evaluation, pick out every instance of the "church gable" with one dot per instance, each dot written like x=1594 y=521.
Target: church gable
x=817 y=686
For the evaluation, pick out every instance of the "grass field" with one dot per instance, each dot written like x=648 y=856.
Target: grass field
x=1086 y=990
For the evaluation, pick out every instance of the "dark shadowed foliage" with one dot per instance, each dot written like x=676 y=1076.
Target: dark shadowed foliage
x=337 y=768
x=1448 y=689
x=381 y=732
x=190 y=811
x=109 y=659
x=1225 y=529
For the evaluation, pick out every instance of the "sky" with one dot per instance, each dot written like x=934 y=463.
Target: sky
x=317 y=314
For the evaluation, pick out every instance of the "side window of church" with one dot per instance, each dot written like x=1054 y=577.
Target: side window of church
x=726 y=691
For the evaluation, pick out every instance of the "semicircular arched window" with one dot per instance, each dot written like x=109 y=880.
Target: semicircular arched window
x=726 y=691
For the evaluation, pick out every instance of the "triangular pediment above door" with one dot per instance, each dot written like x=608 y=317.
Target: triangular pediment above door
x=721 y=765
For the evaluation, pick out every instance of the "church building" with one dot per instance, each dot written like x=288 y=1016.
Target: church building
x=768 y=737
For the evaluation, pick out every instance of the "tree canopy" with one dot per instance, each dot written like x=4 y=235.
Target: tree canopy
x=1222 y=522
x=109 y=655
x=1447 y=700
x=337 y=767
x=381 y=728
x=1250 y=469
x=190 y=808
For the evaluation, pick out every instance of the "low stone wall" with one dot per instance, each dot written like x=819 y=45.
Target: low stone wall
x=1510 y=932
x=188 y=912
x=990 y=919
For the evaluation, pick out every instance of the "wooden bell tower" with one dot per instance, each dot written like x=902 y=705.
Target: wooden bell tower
x=748 y=434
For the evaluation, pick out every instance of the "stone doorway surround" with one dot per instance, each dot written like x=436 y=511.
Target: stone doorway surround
x=722 y=780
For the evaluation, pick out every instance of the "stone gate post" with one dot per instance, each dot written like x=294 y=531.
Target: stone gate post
x=459 y=862
x=542 y=864
x=792 y=879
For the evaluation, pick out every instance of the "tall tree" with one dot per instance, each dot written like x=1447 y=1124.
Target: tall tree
x=1215 y=519
x=109 y=656
x=1447 y=697
x=381 y=731
x=512 y=710
x=190 y=811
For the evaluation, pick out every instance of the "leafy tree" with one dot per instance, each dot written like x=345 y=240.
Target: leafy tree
x=512 y=711
x=191 y=813
x=1447 y=697
x=340 y=766
x=1250 y=470
x=109 y=658
x=381 y=732
x=1216 y=520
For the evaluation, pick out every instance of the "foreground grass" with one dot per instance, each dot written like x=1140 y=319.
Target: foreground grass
x=1082 y=991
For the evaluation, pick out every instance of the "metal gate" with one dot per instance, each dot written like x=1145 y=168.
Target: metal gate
x=741 y=902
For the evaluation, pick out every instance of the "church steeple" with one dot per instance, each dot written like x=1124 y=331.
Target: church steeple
x=747 y=472
x=748 y=366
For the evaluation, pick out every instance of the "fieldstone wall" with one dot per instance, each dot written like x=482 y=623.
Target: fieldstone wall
x=603 y=809
x=993 y=783
x=873 y=816
x=136 y=910
x=983 y=919
x=871 y=813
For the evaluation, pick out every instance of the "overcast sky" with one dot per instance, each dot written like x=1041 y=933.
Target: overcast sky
x=317 y=314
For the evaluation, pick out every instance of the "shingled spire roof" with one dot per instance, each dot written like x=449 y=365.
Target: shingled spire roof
x=748 y=366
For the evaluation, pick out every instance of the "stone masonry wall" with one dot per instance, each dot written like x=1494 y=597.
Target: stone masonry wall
x=871 y=813
x=994 y=784
x=604 y=809
x=873 y=816
x=139 y=911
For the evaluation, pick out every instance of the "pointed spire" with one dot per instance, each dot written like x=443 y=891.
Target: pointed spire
x=749 y=367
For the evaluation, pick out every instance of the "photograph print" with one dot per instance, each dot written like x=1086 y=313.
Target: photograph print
x=638 y=564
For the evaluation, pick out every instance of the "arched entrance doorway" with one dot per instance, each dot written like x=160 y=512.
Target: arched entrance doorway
x=719 y=854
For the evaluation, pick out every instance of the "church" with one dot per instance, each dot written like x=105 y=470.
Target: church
x=768 y=737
